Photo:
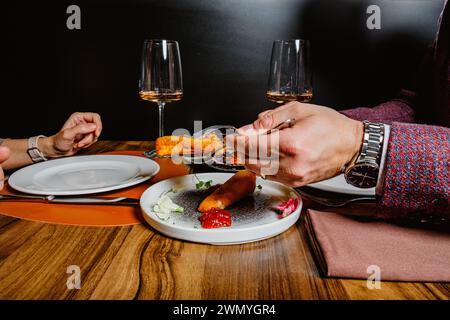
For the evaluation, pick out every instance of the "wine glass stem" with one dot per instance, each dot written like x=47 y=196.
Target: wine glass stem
x=161 y=118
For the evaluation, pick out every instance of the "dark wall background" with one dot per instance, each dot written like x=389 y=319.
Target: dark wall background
x=49 y=71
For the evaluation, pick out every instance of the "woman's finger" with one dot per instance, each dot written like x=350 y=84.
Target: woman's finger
x=4 y=154
x=87 y=140
x=78 y=118
x=98 y=122
x=81 y=129
x=92 y=117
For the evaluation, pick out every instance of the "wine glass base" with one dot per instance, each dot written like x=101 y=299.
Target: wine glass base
x=150 y=154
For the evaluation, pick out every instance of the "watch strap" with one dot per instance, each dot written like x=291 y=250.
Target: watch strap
x=372 y=143
x=33 y=151
x=364 y=171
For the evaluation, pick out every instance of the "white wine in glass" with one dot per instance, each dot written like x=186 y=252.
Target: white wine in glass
x=290 y=77
x=161 y=76
x=157 y=97
x=278 y=97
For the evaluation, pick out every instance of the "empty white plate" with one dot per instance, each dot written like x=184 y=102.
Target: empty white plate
x=339 y=185
x=253 y=218
x=83 y=174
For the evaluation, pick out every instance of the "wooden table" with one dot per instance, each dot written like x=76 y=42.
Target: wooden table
x=135 y=262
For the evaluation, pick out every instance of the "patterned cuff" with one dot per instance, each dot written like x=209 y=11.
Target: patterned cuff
x=417 y=171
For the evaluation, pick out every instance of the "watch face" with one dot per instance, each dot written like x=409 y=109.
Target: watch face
x=363 y=175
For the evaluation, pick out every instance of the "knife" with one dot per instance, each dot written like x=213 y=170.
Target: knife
x=71 y=200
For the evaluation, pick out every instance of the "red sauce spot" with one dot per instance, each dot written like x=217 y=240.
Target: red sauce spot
x=215 y=218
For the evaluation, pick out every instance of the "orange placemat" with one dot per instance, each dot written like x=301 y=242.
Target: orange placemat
x=92 y=215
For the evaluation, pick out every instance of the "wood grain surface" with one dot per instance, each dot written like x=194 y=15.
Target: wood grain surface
x=139 y=263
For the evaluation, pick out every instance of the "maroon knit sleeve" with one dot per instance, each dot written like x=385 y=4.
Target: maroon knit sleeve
x=417 y=176
x=400 y=110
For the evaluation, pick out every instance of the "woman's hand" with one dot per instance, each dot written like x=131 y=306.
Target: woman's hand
x=4 y=155
x=319 y=144
x=81 y=130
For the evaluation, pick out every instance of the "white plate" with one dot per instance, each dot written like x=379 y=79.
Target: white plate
x=83 y=174
x=339 y=185
x=253 y=218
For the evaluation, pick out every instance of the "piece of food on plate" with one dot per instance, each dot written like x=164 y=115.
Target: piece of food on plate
x=169 y=145
x=233 y=190
x=287 y=207
x=215 y=218
x=164 y=206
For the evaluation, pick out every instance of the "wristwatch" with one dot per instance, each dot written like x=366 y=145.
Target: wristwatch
x=363 y=172
x=33 y=151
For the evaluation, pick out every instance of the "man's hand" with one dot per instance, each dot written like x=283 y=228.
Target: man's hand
x=315 y=148
x=81 y=130
x=4 y=155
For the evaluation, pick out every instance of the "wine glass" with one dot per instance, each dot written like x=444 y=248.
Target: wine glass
x=161 y=77
x=290 y=77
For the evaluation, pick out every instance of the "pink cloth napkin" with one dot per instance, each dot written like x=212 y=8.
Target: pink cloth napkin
x=346 y=246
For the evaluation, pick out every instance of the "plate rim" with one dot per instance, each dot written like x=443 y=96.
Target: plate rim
x=86 y=191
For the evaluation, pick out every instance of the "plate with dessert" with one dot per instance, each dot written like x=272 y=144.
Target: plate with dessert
x=220 y=208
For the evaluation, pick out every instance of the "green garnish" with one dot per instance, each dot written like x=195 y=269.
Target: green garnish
x=200 y=185
x=259 y=187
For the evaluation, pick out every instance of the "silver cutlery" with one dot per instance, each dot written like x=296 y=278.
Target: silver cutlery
x=221 y=154
x=152 y=154
x=284 y=124
x=71 y=200
x=334 y=202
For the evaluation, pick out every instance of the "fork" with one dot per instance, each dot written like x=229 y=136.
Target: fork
x=336 y=202
x=281 y=125
x=121 y=201
x=224 y=152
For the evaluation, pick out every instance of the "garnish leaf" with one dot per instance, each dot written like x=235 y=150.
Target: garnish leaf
x=208 y=184
x=200 y=185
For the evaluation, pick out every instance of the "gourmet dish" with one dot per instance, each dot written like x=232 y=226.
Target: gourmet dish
x=218 y=205
x=233 y=190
